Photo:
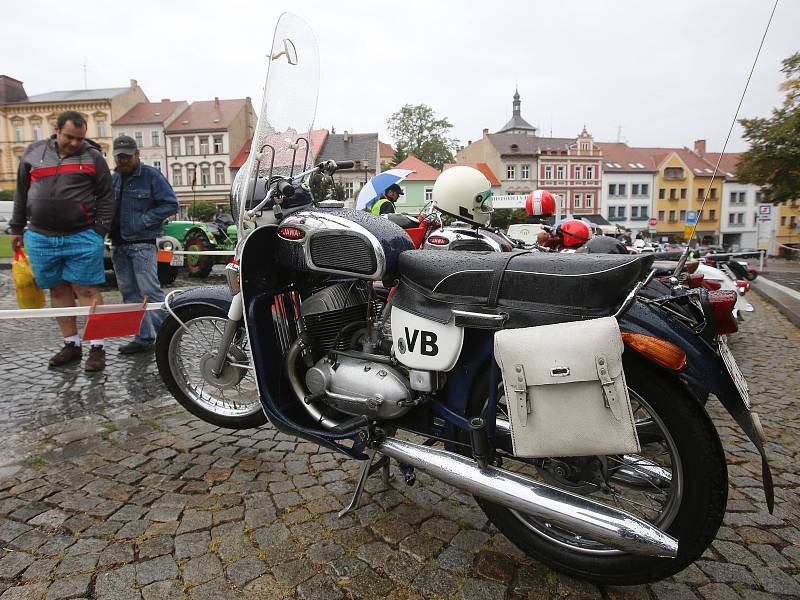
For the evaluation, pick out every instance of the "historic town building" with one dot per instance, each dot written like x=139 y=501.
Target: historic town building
x=628 y=184
x=25 y=119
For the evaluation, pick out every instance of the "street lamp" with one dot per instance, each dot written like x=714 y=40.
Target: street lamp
x=366 y=168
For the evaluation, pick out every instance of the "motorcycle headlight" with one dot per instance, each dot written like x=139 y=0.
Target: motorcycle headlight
x=167 y=245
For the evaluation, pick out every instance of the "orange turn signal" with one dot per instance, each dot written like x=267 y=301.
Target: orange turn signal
x=661 y=352
x=164 y=256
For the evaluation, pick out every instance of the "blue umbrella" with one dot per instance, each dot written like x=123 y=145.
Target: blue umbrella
x=378 y=184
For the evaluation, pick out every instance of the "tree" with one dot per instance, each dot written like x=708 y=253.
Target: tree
x=203 y=211
x=7 y=195
x=773 y=160
x=417 y=130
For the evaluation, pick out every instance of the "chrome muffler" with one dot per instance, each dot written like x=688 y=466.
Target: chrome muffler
x=615 y=528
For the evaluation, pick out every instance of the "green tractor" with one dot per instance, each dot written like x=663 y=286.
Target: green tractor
x=217 y=234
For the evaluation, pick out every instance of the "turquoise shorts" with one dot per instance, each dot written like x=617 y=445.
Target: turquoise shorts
x=75 y=258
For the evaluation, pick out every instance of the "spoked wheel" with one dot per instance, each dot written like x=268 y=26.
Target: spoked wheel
x=186 y=358
x=678 y=482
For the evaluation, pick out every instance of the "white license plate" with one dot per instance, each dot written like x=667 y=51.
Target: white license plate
x=177 y=260
x=734 y=370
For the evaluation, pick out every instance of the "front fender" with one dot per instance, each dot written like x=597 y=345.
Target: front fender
x=217 y=296
x=705 y=370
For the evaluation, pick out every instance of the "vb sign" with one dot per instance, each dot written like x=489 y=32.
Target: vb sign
x=691 y=217
x=765 y=213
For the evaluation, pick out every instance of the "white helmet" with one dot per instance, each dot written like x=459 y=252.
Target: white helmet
x=464 y=193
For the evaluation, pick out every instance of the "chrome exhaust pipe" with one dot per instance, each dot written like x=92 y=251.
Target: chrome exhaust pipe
x=610 y=526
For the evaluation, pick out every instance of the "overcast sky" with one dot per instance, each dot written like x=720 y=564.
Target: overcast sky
x=665 y=73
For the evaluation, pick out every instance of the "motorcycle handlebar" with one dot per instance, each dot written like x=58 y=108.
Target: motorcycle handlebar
x=345 y=164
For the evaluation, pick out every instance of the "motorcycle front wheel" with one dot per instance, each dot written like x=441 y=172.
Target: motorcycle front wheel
x=185 y=359
x=678 y=482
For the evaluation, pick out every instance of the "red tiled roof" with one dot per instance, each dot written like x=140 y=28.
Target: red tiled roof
x=385 y=150
x=317 y=140
x=149 y=112
x=628 y=159
x=727 y=164
x=697 y=164
x=482 y=167
x=208 y=115
x=423 y=171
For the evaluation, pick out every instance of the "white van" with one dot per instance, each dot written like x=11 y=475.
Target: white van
x=526 y=232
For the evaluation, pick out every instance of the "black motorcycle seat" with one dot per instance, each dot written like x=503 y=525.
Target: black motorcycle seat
x=557 y=287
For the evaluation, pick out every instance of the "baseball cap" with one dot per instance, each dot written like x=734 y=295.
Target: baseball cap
x=124 y=144
x=395 y=188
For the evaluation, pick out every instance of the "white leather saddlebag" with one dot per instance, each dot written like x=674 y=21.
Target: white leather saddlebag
x=565 y=389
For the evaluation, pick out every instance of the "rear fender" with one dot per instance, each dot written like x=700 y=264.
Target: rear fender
x=705 y=371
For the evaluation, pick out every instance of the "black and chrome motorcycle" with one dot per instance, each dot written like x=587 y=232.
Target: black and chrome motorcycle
x=545 y=385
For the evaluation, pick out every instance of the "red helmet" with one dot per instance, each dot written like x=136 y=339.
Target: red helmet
x=540 y=203
x=574 y=233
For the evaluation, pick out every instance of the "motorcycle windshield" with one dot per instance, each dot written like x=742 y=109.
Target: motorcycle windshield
x=282 y=140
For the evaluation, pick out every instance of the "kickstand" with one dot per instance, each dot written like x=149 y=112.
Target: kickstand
x=368 y=469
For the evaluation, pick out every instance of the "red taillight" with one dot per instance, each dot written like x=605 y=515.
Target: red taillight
x=438 y=240
x=695 y=280
x=711 y=284
x=711 y=263
x=743 y=285
x=722 y=303
x=291 y=233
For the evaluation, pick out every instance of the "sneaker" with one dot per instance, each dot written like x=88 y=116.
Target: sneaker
x=70 y=353
x=96 y=360
x=134 y=347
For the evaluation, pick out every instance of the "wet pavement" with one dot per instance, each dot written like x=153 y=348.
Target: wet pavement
x=109 y=490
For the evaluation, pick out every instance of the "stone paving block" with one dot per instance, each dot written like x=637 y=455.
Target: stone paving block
x=116 y=554
x=665 y=590
x=87 y=546
x=36 y=591
x=725 y=572
x=481 y=589
x=52 y=518
x=79 y=563
x=421 y=546
x=40 y=569
x=202 y=569
x=292 y=573
x=74 y=586
x=14 y=563
x=157 y=569
x=192 y=544
x=245 y=570
x=431 y=581
x=117 y=584
x=163 y=590
x=776 y=581
x=213 y=590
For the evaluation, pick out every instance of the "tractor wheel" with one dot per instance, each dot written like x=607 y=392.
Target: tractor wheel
x=199 y=266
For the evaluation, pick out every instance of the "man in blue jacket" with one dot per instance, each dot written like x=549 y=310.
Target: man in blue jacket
x=144 y=200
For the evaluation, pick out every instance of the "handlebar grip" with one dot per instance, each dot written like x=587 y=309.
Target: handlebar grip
x=285 y=188
x=344 y=164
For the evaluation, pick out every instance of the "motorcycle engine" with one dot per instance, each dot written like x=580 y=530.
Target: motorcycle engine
x=342 y=317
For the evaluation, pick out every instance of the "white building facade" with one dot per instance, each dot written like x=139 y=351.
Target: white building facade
x=739 y=222
x=627 y=198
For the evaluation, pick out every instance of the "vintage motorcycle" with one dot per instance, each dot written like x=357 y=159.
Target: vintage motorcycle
x=543 y=384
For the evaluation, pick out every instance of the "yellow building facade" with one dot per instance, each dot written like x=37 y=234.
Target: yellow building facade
x=788 y=217
x=23 y=122
x=681 y=184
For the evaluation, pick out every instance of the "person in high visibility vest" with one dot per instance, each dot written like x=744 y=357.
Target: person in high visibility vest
x=385 y=204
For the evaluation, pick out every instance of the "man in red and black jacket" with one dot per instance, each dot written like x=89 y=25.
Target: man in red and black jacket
x=65 y=198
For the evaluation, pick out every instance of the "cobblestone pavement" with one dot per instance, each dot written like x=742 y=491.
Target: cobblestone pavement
x=109 y=490
x=784 y=272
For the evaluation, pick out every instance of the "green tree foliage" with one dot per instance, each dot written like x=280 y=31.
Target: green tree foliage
x=417 y=130
x=503 y=217
x=7 y=195
x=203 y=211
x=773 y=160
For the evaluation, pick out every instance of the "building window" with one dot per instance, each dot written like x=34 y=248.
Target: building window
x=645 y=189
x=700 y=192
x=683 y=215
x=217 y=144
x=191 y=175
x=713 y=193
x=18 y=132
x=101 y=128
x=157 y=164
x=712 y=214
x=578 y=172
x=672 y=216
x=623 y=190
x=661 y=215
x=560 y=172
x=205 y=174
x=577 y=201
x=590 y=172
x=510 y=172
x=177 y=175
x=204 y=145
x=548 y=172
x=673 y=194
x=612 y=189
x=736 y=219
x=348 y=189
x=759 y=196
x=634 y=212
x=643 y=212
x=683 y=193
x=189 y=143
x=219 y=174
x=428 y=194
x=37 y=132
x=138 y=137
x=661 y=193
x=155 y=138
x=176 y=146
x=783 y=221
x=634 y=189
x=526 y=172
x=584 y=145
x=589 y=201
x=673 y=173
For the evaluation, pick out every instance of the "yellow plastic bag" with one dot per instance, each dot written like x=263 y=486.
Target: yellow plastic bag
x=28 y=293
